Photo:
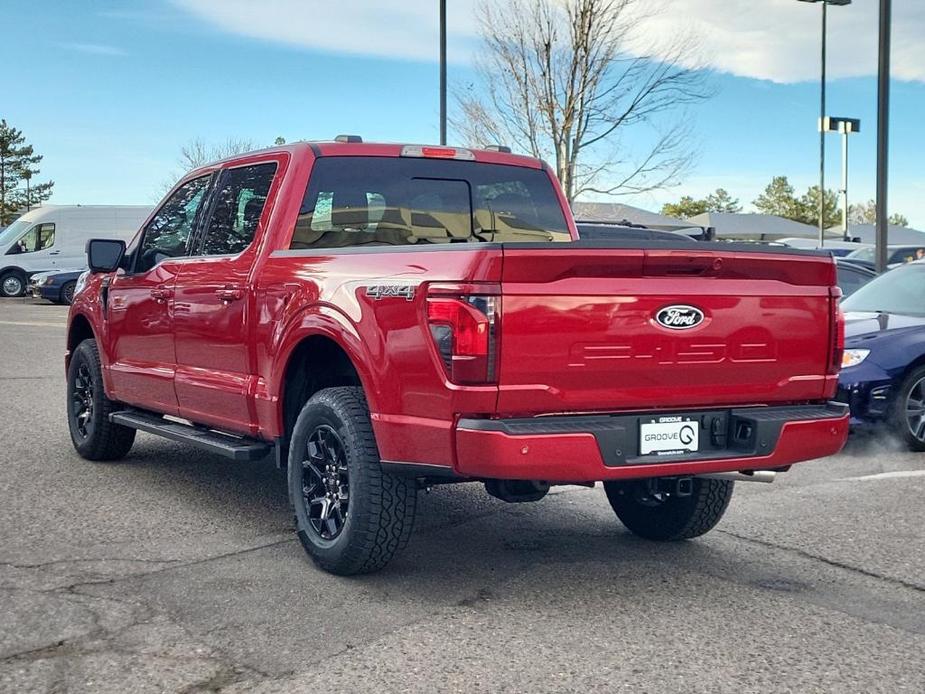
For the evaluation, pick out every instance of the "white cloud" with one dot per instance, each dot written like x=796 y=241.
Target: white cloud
x=776 y=40
x=391 y=28
x=93 y=48
x=779 y=40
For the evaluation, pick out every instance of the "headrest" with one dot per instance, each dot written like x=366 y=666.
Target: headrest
x=510 y=203
x=252 y=211
x=349 y=208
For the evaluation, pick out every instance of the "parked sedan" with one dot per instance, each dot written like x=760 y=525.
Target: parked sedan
x=56 y=286
x=895 y=255
x=883 y=368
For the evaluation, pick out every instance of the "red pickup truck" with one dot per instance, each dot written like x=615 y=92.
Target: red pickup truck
x=388 y=317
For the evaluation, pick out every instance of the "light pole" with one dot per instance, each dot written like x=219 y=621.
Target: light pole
x=883 y=131
x=825 y=4
x=845 y=126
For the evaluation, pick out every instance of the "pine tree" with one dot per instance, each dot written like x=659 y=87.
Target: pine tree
x=778 y=199
x=687 y=207
x=722 y=201
x=18 y=166
x=808 y=208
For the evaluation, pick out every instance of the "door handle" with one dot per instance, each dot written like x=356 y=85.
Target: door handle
x=161 y=293
x=54 y=252
x=228 y=294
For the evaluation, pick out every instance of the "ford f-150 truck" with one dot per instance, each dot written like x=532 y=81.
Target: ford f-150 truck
x=386 y=317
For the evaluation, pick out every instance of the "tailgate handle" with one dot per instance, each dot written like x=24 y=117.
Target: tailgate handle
x=682 y=263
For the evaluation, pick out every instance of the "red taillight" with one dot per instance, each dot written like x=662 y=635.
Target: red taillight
x=836 y=333
x=464 y=331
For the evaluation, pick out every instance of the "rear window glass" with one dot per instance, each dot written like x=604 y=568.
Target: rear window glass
x=353 y=201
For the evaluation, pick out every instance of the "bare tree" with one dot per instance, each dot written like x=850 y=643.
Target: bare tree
x=198 y=152
x=558 y=80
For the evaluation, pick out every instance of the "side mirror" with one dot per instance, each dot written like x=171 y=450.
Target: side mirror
x=104 y=255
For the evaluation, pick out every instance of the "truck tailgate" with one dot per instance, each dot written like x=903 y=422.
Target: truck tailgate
x=580 y=328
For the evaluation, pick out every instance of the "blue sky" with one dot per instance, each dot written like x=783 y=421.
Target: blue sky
x=108 y=91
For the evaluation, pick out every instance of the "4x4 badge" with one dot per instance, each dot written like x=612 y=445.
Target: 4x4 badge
x=381 y=291
x=679 y=317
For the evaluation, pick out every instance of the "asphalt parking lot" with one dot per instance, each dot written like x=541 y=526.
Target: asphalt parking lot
x=177 y=571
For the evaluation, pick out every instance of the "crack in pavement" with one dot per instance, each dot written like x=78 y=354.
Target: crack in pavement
x=179 y=564
x=55 y=562
x=829 y=562
x=104 y=639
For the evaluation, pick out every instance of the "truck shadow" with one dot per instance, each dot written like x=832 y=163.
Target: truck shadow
x=462 y=535
x=474 y=565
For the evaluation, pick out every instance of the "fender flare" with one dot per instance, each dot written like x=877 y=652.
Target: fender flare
x=330 y=323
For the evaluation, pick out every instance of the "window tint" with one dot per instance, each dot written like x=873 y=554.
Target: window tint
x=850 y=280
x=38 y=238
x=167 y=234
x=865 y=254
x=239 y=202
x=906 y=255
x=353 y=201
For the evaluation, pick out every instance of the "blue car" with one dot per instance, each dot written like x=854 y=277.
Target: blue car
x=57 y=286
x=883 y=369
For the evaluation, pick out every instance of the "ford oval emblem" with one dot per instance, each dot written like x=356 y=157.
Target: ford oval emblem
x=679 y=317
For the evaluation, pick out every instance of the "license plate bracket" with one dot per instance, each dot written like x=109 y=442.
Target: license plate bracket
x=669 y=435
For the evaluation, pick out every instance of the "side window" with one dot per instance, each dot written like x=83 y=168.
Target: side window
x=38 y=238
x=167 y=234
x=850 y=280
x=239 y=202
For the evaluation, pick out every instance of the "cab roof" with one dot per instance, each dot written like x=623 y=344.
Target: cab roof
x=331 y=148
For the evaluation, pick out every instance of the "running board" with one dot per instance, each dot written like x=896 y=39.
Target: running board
x=227 y=445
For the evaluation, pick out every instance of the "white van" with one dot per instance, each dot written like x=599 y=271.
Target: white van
x=52 y=238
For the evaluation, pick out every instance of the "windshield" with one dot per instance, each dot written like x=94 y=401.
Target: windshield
x=12 y=232
x=862 y=254
x=898 y=291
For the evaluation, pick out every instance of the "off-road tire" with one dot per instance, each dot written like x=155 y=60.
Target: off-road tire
x=6 y=280
x=98 y=439
x=899 y=419
x=380 y=513
x=672 y=517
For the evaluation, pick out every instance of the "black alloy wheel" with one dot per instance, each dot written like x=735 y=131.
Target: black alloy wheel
x=88 y=409
x=325 y=482
x=351 y=516
x=82 y=401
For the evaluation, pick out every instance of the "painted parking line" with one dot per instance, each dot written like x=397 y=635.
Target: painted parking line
x=34 y=324
x=896 y=474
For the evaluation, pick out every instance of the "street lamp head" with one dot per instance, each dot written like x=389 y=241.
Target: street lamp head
x=829 y=2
